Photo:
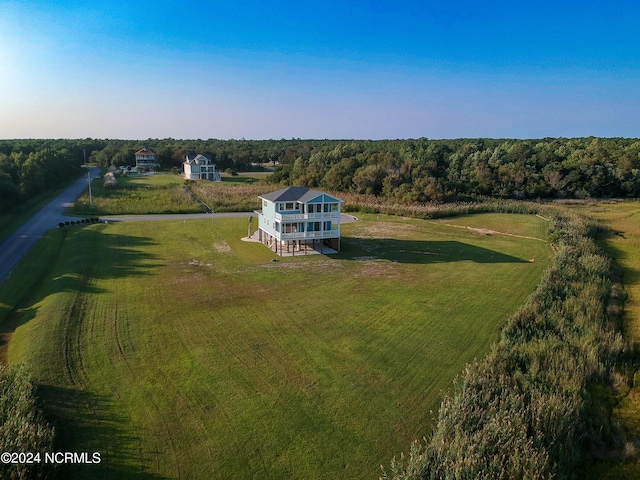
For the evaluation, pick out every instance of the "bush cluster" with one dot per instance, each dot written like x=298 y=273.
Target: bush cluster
x=528 y=410
x=78 y=222
x=22 y=426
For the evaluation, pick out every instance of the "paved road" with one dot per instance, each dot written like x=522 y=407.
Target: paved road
x=18 y=244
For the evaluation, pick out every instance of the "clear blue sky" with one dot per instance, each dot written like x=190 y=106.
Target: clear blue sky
x=319 y=69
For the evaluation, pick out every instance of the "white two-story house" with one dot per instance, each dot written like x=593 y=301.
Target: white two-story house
x=200 y=167
x=295 y=219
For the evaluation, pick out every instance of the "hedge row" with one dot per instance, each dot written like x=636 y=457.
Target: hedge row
x=78 y=222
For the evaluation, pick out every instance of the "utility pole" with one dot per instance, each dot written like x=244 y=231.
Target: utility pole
x=89 y=180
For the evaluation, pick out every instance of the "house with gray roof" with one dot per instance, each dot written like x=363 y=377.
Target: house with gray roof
x=299 y=220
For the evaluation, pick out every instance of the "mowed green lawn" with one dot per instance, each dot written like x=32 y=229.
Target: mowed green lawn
x=178 y=351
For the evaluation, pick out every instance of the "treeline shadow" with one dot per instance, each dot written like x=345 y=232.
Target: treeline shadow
x=420 y=251
x=78 y=262
x=630 y=276
x=88 y=423
x=73 y=266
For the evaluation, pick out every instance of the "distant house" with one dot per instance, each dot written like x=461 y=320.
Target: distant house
x=200 y=167
x=295 y=219
x=145 y=158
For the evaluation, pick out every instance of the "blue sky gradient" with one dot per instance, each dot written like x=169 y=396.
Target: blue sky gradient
x=319 y=69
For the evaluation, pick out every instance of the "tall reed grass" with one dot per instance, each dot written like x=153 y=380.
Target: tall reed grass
x=232 y=197
x=22 y=426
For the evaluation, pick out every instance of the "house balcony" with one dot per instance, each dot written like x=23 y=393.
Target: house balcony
x=310 y=235
x=289 y=217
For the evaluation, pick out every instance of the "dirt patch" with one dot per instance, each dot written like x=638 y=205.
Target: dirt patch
x=481 y=231
x=198 y=263
x=222 y=247
x=316 y=266
x=378 y=268
x=384 y=229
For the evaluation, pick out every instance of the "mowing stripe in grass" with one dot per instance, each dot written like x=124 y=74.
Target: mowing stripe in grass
x=226 y=364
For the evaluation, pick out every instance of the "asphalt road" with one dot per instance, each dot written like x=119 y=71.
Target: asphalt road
x=20 y=242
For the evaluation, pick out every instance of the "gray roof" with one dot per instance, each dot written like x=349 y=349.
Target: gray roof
x=295 y=194
x=197 y=159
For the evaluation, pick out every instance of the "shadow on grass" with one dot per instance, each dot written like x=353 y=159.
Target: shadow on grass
x=90 y=423
x=88 y=248
x=72 y=266
x=419 y=251
x=239 y=179
x=630 y=276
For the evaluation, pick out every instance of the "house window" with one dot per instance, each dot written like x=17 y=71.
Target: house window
x=326 y=207
x=264 y=204
x=277 y=227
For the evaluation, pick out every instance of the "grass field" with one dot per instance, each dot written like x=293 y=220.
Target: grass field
x=624 y=247
x=178 y=351
x=138 y=194
x=165 y=193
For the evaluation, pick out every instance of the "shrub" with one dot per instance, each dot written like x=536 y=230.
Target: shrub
x=22 y=426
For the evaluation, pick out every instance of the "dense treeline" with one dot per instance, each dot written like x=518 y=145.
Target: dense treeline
x=31 y=167
x=238 y=155
x=538 y=402
x=403 y=171
x=421 y=170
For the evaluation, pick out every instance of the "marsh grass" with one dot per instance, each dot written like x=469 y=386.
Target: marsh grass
x=137 y=194
x=23 y=429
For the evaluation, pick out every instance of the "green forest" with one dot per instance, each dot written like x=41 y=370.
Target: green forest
x=403 y=171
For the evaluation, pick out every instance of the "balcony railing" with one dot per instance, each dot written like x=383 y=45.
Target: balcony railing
x=310 y=235
x=287 y=217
